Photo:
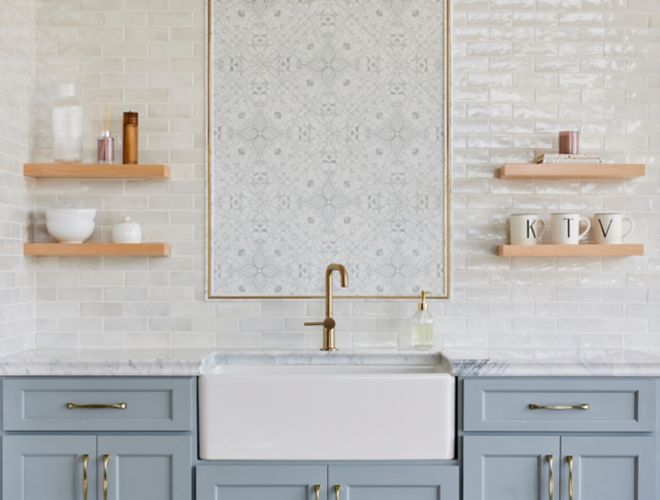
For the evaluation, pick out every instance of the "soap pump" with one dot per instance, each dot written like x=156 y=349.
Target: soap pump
x=422 y=325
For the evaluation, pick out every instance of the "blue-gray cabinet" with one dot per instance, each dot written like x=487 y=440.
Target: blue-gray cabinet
x=564 y=439
x=48 y=467
x=74 y=404
x=608 y=468
x=259 y=482
x=564 y=404
x=328 y=482
x=144 y=467
x=515 y=467
x=95 y=438
x=393 y=482
x=84 y=467
x=510 y=467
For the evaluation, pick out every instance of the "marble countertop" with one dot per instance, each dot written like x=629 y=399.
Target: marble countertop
x=105 y=362
x=192 y=362
x=577 y=363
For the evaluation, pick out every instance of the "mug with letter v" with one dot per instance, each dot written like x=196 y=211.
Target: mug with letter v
x=526 y=229
x=566 y=228
x=608 y=228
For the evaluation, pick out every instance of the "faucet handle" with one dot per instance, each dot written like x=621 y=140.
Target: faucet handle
x=328 y=323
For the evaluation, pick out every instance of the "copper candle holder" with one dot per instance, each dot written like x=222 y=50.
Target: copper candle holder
x=569 y=142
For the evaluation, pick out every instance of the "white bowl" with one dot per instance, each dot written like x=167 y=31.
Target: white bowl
x=70 y=231
x=61 y=214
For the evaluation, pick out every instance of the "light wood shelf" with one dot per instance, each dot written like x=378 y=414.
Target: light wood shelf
x=96 y=250
x=586 y=250
x=593 y=171
x=95 y=171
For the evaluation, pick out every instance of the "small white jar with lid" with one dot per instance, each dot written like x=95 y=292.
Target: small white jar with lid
x=126 y=231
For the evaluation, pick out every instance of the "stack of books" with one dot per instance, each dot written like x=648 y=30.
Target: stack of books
x=559 y=158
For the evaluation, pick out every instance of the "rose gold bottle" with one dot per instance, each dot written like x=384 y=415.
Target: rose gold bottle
x=130 y=155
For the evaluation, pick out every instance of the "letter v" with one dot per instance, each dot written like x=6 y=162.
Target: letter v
x=602 y=229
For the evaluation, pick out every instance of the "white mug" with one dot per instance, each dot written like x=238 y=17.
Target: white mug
x=524 y=229
x=566 y=228
x=609 y=228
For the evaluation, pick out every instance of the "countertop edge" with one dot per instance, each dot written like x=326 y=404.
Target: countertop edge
x=195 y=362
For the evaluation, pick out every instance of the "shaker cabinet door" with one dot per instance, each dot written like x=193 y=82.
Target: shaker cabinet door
x=261 y=482
x=393 y=482
x=608 y=468
x=511 y=467
x=49 y=467
x=144 y=467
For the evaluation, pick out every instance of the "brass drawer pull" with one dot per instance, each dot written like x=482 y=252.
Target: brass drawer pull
x=317 y=491
x=581 y=406
x=551 y=478
x=106 y=459
x=85 y=480
x=337 y=492
x=571 y=488
x=113 y=406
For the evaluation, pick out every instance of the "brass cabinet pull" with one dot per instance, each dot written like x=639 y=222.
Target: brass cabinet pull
x=581 y=406
x=85 y=479
x=106 y=459
x=551 y=478
x=317 y=491
x=337 y=492
x=112 y=406
x=569 y=459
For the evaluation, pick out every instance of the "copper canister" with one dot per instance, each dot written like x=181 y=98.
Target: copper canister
x=130 y=155
x=569 y=142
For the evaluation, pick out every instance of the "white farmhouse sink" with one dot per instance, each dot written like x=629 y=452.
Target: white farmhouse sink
x=326 y=406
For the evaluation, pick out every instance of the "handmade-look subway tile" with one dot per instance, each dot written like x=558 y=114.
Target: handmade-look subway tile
x=522 y=69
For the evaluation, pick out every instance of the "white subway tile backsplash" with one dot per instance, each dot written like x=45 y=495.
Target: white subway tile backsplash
x=523 y=69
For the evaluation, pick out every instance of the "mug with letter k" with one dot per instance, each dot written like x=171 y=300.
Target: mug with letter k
x=526 y=229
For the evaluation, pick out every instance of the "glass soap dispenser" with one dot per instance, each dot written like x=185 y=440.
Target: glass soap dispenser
x=422 y=325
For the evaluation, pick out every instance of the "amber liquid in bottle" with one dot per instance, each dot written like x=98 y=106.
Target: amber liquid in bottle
x=130 y=153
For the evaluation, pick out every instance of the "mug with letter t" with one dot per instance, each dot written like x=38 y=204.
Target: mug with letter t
x=609 y=228
x=566 y=228
x=526 y=229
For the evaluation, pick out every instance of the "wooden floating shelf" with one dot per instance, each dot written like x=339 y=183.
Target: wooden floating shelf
x=587 y=250
x=594 y=171
x=96 y=250
x=95 y=171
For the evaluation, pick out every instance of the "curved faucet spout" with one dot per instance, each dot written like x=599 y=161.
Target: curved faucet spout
x=329 y=323
x=343 y=274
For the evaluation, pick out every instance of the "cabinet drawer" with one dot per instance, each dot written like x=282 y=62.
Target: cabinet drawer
x=559 y=405
x=97 y=404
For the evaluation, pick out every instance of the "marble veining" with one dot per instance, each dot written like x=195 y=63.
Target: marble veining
x=341 y=358
x=192 y=362
x=602 y=363
x=104 y=362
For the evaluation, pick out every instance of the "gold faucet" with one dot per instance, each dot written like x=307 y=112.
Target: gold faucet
x=329 y=323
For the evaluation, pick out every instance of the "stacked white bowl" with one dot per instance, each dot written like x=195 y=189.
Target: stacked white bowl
x=70 y=225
